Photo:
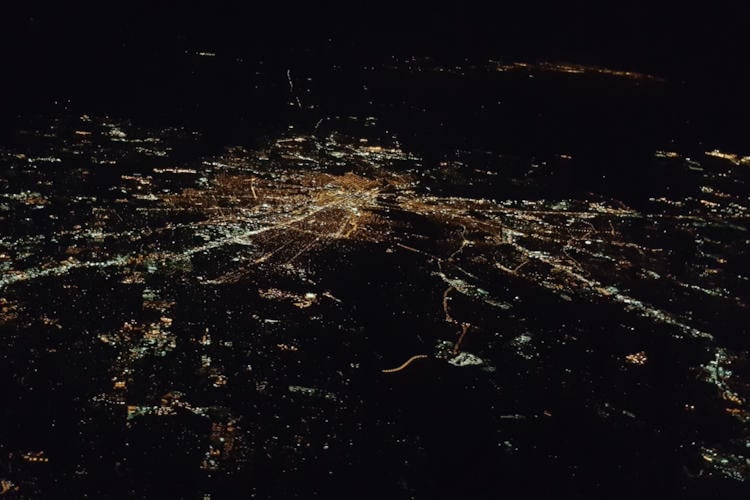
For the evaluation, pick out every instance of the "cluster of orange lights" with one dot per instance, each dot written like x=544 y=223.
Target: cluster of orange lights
x=575 y=69
x=638 y=358
x=35 y=456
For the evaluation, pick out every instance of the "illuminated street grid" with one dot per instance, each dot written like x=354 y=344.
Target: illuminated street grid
x=222 y=221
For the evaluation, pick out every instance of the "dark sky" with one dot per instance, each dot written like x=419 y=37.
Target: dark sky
x=48 y=50
x=646 y=35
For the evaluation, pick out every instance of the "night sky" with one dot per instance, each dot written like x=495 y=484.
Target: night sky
x=132 y=55
x=676 y=39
